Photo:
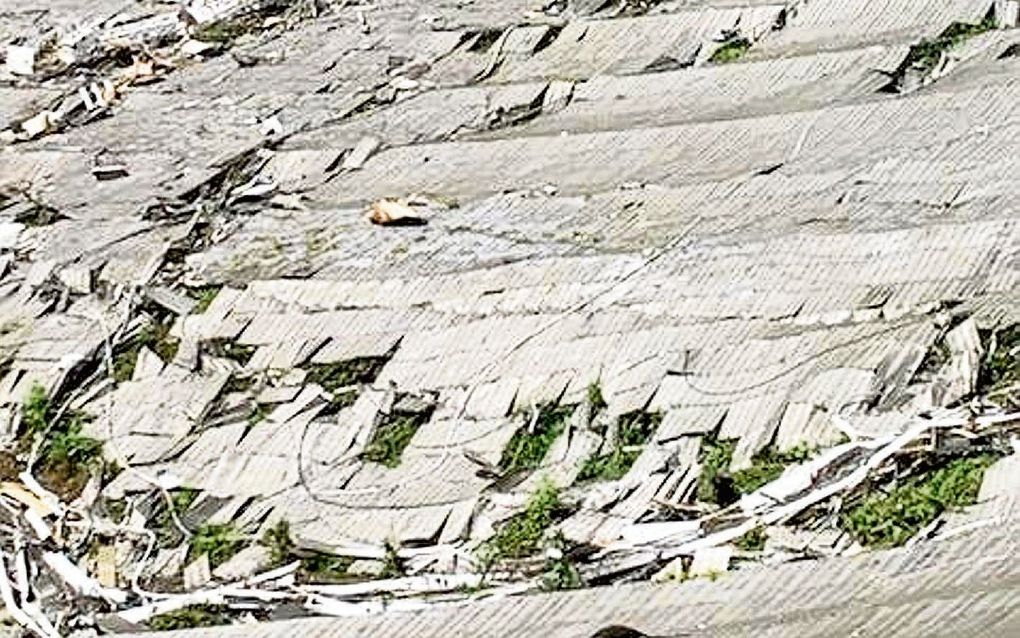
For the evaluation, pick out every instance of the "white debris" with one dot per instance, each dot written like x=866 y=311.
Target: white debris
x=20 y=59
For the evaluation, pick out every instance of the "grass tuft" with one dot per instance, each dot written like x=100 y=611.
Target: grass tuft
x=277 y=540
x=204 y=297
x=1001 y=368
x=560 y=572
x=718 y=485
x=190 y=618
x=526 y=449
x=713 y=483
x=227 y=349
x=66 y=457
x=925 y=55
x=154 y=336
x=257 y=414
x=325 y=568
x=393 y=565
x=391 y=437
x=167 y=534
x=730 y=51
x=768 y=466
x=332 y=376
x=753 y=541
x=595 y=398
x=635 y=430
x=219 y=542
x=314 y=568
x=352 y=372
x=35 y=409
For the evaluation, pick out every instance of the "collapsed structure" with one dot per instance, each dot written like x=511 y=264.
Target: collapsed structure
x=334 y=308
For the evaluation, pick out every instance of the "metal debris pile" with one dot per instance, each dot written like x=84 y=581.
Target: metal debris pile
x=90 y=561
x=332 y=308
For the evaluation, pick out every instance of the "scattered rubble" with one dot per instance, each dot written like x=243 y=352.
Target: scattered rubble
x=343 y=309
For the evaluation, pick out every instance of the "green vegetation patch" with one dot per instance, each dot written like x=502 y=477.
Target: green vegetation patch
x=226 y=32
x=635 y=430
x=204 y=296
x=1001 y=368
x=731 y=50
x=313 y=567
x=713 y=482
x=767 y=466
x=890 y=519
x=219 y=542
x=521 y=535
x=257 y=414
x=324 y=568
x=527 y=448
x=718 y=485
x=753 y=541
x=277 y=540
x=393 y=565
x=154 y=336
x=560 y=572
x=925 y=55
x=190 y=617
x=66 y=457
x=595 y=398
x=332 y=376
x=114 y=509
x=352 y=372
x=391 y=438
x=167 y=534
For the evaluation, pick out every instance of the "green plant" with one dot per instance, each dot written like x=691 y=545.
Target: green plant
x=156 y=337
x=635 y=430
x=526 y=449
x=224 y=32
x=316 y=567
x=190 y=617
x=768 y=466
x=323 y=567
x=35 y=410
x=891 y=519
x=393 y=565
x=926 y=54
x=595 y=398
x=257 y=414
x=218 y=542
x=167 y=534
x=68 y=445
x=332 y=376
x=1001 y=368
x=731 y=50
x=390 y=439
x=753 y=541
x=183 y=498
x=715 y=457
x=521 y=535
x=66 y=456
x=608 y=467
x=238 y=382
x=204 y=297
x=277 y=540
x=115 y=509
x=560 y=572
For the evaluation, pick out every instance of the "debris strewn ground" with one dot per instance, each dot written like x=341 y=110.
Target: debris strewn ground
x=332 y=308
